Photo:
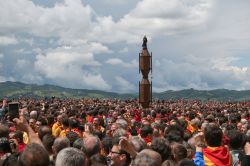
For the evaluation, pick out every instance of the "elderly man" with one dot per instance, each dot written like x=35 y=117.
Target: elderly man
x=118 y=157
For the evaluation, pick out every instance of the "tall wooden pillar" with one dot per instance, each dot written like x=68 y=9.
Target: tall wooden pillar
x=145 y=66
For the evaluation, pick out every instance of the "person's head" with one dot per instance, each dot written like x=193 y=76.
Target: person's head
x=213 y=135
x=4 y=131
x=33 y=115
x=161 y=146
x=146 y=131
x=43 y=130
x=48 y=141
x=187 y=162
x=239 y=126
x=18 y=135
x=138 y=143
x=88 y=127
x=72 y=136
x=115 y=114
x=245 y=127
x=147 y=157
x=96 y=121
x=106 y=144
x=97 y=160
x=65 y=123
x=70 y=156
x=73 y=123
x=120 y=132
x=179 y=152
x=114 y=127
x=32 y=123
x=174 y=133
x=78 y=144
x=203 y=126
x=34 y=155
x=117 y=156
x=91 y=146
x=122 y=123
x=59 y=144
x=11 y=160
x=235 y=139
x=59 y=119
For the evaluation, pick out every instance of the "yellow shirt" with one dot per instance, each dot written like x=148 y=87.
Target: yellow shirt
x=64 y=132
x=54 y=128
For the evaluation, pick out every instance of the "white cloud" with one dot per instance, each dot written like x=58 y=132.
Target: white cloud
x=3 y=79
x=115 y=1
x=1 y=55
x=7 y=40
x=21 y=63
x=124 y=85
x=114 y=61
x=117 y=61
x=170 y=17
x=66 y=19
x=70 y=69
x=124 y=50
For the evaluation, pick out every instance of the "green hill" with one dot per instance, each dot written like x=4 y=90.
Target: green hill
x=17 y=89
x=217 y=94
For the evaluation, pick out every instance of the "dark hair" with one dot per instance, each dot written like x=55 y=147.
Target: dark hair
x=179 y=151
x=11 y=160
x=43 y=121
x=48 y=141
x=4 y=131
x=78 y=144
x=5 y=145
x=174 y=133
x=107 y=144
x=161 y=146
x=191 y=115
x=73 y=123
x=235 y=139
x=98 y=160
x=213 y=135
x=43 y=130
x=145 y=131
x=65 y=122
x=18 y=135
x=72 y=136
x=60 y=143
x=34 y=155
x=50 y=120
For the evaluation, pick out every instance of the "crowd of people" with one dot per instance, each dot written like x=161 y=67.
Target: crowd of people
x=99 y=132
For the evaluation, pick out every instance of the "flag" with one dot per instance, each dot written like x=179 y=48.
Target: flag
x=217 y=156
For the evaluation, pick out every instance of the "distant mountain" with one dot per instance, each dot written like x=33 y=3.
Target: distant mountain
x=17 y=89
x=217 y=94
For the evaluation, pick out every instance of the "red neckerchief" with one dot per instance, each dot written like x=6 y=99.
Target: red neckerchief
x=147 y=139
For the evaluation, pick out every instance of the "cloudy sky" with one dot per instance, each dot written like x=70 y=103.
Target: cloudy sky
x=94 y=44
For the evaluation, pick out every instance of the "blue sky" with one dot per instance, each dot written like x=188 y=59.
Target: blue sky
x=94 y=44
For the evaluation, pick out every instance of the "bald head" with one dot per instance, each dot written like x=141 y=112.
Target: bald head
x=91 y=146
x=60 y=143
x=147 y=157
x=33 y=114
